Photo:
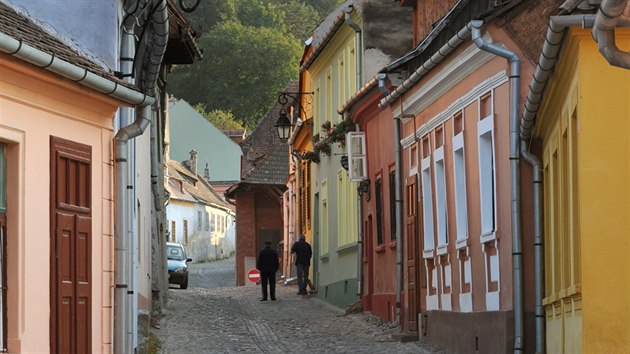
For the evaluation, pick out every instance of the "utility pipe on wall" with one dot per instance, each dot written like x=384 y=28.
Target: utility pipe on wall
x=517 y=239
x=359 y=47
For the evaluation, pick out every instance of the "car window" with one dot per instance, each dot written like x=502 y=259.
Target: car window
x=174 y=252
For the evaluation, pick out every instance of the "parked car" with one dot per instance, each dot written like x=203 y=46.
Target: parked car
x=177 y=267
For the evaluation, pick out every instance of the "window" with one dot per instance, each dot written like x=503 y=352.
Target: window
x=378 y=192
x=459 y=170
x=427 y=204
x=207 y=221
x=329 y=96
x=486 y=175
x=185 y=232
x=213 y=222
x=198 y=219
x=173 y=233
x=342 y=211
x=324 y=218
x=341 y=77
x=392 y=204
x=440 y=197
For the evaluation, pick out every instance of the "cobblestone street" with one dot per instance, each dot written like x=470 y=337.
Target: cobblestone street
x=231 y=319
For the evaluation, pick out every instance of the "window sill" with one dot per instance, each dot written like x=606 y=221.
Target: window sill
x=442 y=249
x=347 y=248
x=392 y=245
x=461 y=243
x=324 y=257
x=380 y=249
x=487 y=237
x=427 y=253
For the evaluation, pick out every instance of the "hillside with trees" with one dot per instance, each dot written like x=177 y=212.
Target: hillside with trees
x=251 y=50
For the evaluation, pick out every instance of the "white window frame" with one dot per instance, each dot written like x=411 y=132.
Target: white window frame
x=357 y=159
x=440 y=199
x=487 y=177
x=427 y=206
x=459 y=180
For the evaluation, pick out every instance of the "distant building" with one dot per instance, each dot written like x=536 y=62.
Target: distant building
x=220 y=154
x=198 y=217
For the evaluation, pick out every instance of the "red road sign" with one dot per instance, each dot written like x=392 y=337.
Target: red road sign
x=253 y=275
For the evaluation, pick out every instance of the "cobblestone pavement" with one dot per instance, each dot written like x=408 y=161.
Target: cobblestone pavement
x=232 y=319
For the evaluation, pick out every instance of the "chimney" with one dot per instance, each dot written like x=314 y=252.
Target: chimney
x=206 y=173
x=192 y=164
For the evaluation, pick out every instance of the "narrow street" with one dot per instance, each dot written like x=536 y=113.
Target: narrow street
x=213 y=316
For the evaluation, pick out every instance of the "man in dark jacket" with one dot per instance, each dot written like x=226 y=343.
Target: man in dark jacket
x=303 y=253
x=268 y=265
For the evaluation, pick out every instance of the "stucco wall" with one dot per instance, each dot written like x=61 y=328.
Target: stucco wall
x=36 y=106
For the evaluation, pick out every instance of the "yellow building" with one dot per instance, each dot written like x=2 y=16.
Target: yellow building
x=584 y=126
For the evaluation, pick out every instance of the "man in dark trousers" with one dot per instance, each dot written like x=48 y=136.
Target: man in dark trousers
x=303 y=253
x=268 y=265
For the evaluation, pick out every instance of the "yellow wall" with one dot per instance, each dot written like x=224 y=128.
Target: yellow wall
x=585 y=126
x=604 y=175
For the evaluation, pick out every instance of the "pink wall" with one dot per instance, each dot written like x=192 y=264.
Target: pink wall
x=36 y=106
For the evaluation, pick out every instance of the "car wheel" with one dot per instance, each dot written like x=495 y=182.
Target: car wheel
x=184 y=285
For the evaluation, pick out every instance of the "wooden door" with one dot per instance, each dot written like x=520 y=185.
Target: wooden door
x=71 y=233
x=411 y=242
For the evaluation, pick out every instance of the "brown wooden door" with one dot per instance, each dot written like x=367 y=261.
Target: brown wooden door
x=411 y=242
x=71 y=234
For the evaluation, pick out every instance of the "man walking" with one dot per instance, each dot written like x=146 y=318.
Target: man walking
x=303 y=253
x=268 y=264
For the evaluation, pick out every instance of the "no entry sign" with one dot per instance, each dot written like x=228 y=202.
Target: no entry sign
x=253 y=275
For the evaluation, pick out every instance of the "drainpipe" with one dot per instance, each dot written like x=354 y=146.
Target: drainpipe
x=517 y=239
x=608 y=17
x=382 y=78
x=357 y=30
x=359 y=51
x=123 y=339
x=548 y=57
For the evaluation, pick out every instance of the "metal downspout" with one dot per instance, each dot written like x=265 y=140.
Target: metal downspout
x=358 y=72
x=608 y=17
x=517 y=238
x=359 y=48
x=123 y=342
x=382 y=77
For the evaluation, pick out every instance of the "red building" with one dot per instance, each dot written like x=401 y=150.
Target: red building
x=258 y=196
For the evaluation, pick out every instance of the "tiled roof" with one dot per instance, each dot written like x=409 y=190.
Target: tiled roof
x=324 y=32
x=22 y=28
x=265 y=158
x=201 y=191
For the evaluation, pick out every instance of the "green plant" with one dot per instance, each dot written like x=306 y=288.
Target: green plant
x=154 y=345
x=334 y=133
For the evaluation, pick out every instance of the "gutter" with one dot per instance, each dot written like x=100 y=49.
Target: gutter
x=461 y=36
x=81 y=76
x=517 y=237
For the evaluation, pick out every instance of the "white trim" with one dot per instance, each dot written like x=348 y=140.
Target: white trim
x=471 y=59
x=459 y=186
x=441 y=207
x=427 y=205
x=471 y=96
x=484 y=127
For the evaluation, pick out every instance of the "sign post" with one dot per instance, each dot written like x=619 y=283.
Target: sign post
x=253 y=275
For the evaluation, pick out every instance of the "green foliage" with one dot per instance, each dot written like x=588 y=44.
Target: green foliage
x=251 y=51
x=222 y=120
x=243 y=70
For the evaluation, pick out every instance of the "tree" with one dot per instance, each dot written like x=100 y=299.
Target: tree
x=243 y=70
x=222 y=120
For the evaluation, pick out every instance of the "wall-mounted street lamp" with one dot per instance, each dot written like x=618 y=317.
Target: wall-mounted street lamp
x=283 y=124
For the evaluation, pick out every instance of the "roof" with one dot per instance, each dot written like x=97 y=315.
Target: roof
x=265 y=157
x=181 y=48
x=195 y=187
x=25 y=30
x=324 y=32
